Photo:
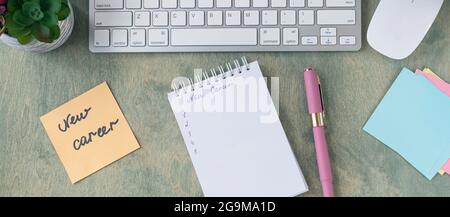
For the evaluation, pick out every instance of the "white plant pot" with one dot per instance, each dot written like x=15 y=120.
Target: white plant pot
x=36 y=46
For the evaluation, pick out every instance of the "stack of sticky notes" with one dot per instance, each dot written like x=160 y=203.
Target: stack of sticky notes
x=414 y=120
x=445 y=88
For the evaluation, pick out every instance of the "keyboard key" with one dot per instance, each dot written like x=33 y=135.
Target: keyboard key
x=341 y=3
x=278 y=3
x=328 y=41
x=215 y=18
x=178 y=18
x=214 y=37
x=108 y=4
x=233 y=18
x=270 y=17
x=260 y=3
x=269 y=36
x=160 y=18
x=223 y=3
x=306 y=17
x=142 y=18
x=336 y=17
x=169 y=4
x=347 y=40
x=328 y=32
x=187 y=3
x=309 y=40
x=196 y=18
x=251 y=18
x=101 y=38
x=120 y=37
x=288 y=17
x=290 y=36
x=137 y=37
x=205 y=3
x=297 y=3
x=113 y=19
x=134 y=4
x=242 y=3
x=158 y=37
x=151 y=4
x=315 y=3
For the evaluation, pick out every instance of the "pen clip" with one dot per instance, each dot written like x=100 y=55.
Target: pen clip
x=321 y=96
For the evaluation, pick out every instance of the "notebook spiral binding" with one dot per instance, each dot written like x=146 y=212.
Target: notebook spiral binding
x=239 y=67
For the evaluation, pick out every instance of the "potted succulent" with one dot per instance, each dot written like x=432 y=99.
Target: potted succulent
x=35 y=25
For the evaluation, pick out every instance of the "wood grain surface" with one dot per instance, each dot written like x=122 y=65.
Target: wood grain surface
x=354 y=83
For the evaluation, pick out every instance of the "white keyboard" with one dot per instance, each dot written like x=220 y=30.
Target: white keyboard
x=224 y=25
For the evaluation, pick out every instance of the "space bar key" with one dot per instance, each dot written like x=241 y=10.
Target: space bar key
x=214 y=37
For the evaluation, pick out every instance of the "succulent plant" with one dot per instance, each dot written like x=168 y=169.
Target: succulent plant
x=35 y=19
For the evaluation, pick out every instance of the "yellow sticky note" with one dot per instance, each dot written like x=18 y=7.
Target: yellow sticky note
x=429 y=71
x=89 y=132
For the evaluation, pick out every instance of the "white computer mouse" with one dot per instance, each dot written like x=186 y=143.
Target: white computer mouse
x=398 y=26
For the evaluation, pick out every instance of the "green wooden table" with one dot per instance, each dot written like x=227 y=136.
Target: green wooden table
x=354 y=83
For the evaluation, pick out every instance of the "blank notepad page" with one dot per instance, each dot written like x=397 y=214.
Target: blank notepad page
x=238 y=146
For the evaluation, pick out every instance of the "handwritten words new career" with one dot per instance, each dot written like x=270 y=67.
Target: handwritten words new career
x=72 y=120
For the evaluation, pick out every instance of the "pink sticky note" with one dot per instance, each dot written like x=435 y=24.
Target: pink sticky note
x=445 y=88
x=446 y=167
x=438 y=82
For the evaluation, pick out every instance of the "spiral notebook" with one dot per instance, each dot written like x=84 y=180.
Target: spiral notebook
x=233 y=134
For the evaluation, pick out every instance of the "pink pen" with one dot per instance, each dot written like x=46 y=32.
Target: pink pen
x=316 y=109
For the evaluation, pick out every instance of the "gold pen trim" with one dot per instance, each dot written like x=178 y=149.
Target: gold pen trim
x=318 y=119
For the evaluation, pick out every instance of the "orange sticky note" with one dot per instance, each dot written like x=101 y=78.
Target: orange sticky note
x=89 y=132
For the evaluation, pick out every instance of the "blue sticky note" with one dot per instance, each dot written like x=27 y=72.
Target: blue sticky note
x=414 y=120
